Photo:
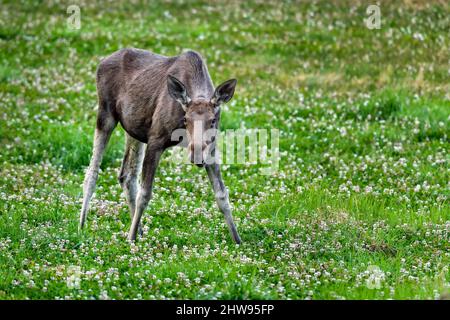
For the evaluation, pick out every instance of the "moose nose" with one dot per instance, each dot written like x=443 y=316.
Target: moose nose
x=199 y=163
x=196 y=154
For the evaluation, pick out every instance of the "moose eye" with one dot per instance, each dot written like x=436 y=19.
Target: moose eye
x=184 y=120
x=213 y=122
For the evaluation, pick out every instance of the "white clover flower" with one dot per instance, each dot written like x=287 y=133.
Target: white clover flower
x=398 y=147
x=74 y=277
x=375 y=278
x=104 y=295
x=418 y=36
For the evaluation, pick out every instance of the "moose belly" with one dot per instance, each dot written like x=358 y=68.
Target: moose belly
x=136 y=119
x=136 y=129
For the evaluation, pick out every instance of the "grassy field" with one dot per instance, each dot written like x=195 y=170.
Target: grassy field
x=358 y=209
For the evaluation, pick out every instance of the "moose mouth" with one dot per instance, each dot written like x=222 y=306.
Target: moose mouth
x=199 y=164
x=199 y=160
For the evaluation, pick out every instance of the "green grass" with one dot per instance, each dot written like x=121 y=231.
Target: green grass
x=363 y=179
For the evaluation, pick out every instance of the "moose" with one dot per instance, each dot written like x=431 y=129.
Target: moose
x=152 y=96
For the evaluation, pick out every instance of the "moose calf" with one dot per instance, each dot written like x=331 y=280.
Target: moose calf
x=152 y=96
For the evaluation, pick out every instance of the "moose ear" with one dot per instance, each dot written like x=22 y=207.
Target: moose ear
x=224 y=92
x=178 y=91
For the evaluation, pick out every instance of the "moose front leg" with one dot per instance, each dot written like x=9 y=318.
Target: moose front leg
x=151 y=161
x=130 y=171
x=221 y=194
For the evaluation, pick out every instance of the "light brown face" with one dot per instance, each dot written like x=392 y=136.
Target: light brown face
x=201 y=120
x=201 y=117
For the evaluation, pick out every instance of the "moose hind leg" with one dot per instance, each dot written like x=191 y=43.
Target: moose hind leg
x=129 y=172
x=101 y=138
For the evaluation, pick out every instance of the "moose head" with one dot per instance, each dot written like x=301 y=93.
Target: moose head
x=201 y=117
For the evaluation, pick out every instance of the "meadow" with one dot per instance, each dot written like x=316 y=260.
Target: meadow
x=359 y=205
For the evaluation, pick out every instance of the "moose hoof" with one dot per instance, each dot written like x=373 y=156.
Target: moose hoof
x=131 y=237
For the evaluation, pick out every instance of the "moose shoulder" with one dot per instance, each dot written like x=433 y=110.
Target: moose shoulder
x=152 y=96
